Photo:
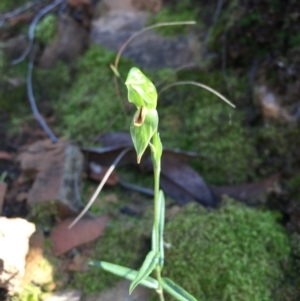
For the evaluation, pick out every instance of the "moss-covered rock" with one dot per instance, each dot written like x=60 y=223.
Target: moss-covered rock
x=233 y=253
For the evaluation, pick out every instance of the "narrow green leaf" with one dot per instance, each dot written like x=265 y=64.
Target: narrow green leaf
x=161 y=223
x=142 y=134
x=145 y=270
x=176 y=291
x=143 y=86
x=125 y=273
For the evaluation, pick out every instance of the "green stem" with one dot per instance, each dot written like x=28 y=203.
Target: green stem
x=156 y=166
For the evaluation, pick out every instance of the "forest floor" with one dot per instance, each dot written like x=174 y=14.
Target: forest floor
x=64 y=118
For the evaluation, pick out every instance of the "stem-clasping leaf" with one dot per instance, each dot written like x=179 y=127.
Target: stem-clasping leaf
x=157 y=149
x=145 y=270
x=175 y=290
x=125 y=273
x=161 y=223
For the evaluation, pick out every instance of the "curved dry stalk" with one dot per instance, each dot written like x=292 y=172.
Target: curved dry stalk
x=122 y=48
x=187 y=66
x=145 y=29
x=179 y=83
x=99 y=188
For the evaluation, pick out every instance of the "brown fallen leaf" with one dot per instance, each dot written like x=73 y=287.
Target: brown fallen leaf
x=246 y=192
x=115 y=139
x=123 y=139
x=86 y=230
x=5 y=156
x=97 y=172
x=184 y=184
x=22 y=18
x=178 y=180
x=107 y=155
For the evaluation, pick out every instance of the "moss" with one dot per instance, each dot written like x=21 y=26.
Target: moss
x=275 y=148
x=8 y=5
x=51 y=84
x=201 y=122
x=30 y=293
x=12 y=97
x=233 y=253
x=182 y=11
x=92 y=94
x=43 y=214
x=45 y=30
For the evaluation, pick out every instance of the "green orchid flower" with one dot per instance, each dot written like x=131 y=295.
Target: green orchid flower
x=142 y=93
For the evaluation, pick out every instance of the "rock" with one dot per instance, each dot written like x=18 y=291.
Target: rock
x=132 y=5
x=56 y=170
x=120 y=293
x=116 y=5
x=72 y=40
x=14 y=242
x=148 y=50
x=68 y=295
x=146 y=5
x=5 y=156
x=270 y=105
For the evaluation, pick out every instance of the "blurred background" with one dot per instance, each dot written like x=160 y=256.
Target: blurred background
x=231 y=176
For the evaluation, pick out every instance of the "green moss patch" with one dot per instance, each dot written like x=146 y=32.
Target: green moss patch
x=182 y=11
x=46 y=29
x=233 y=253
x=194 y=119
